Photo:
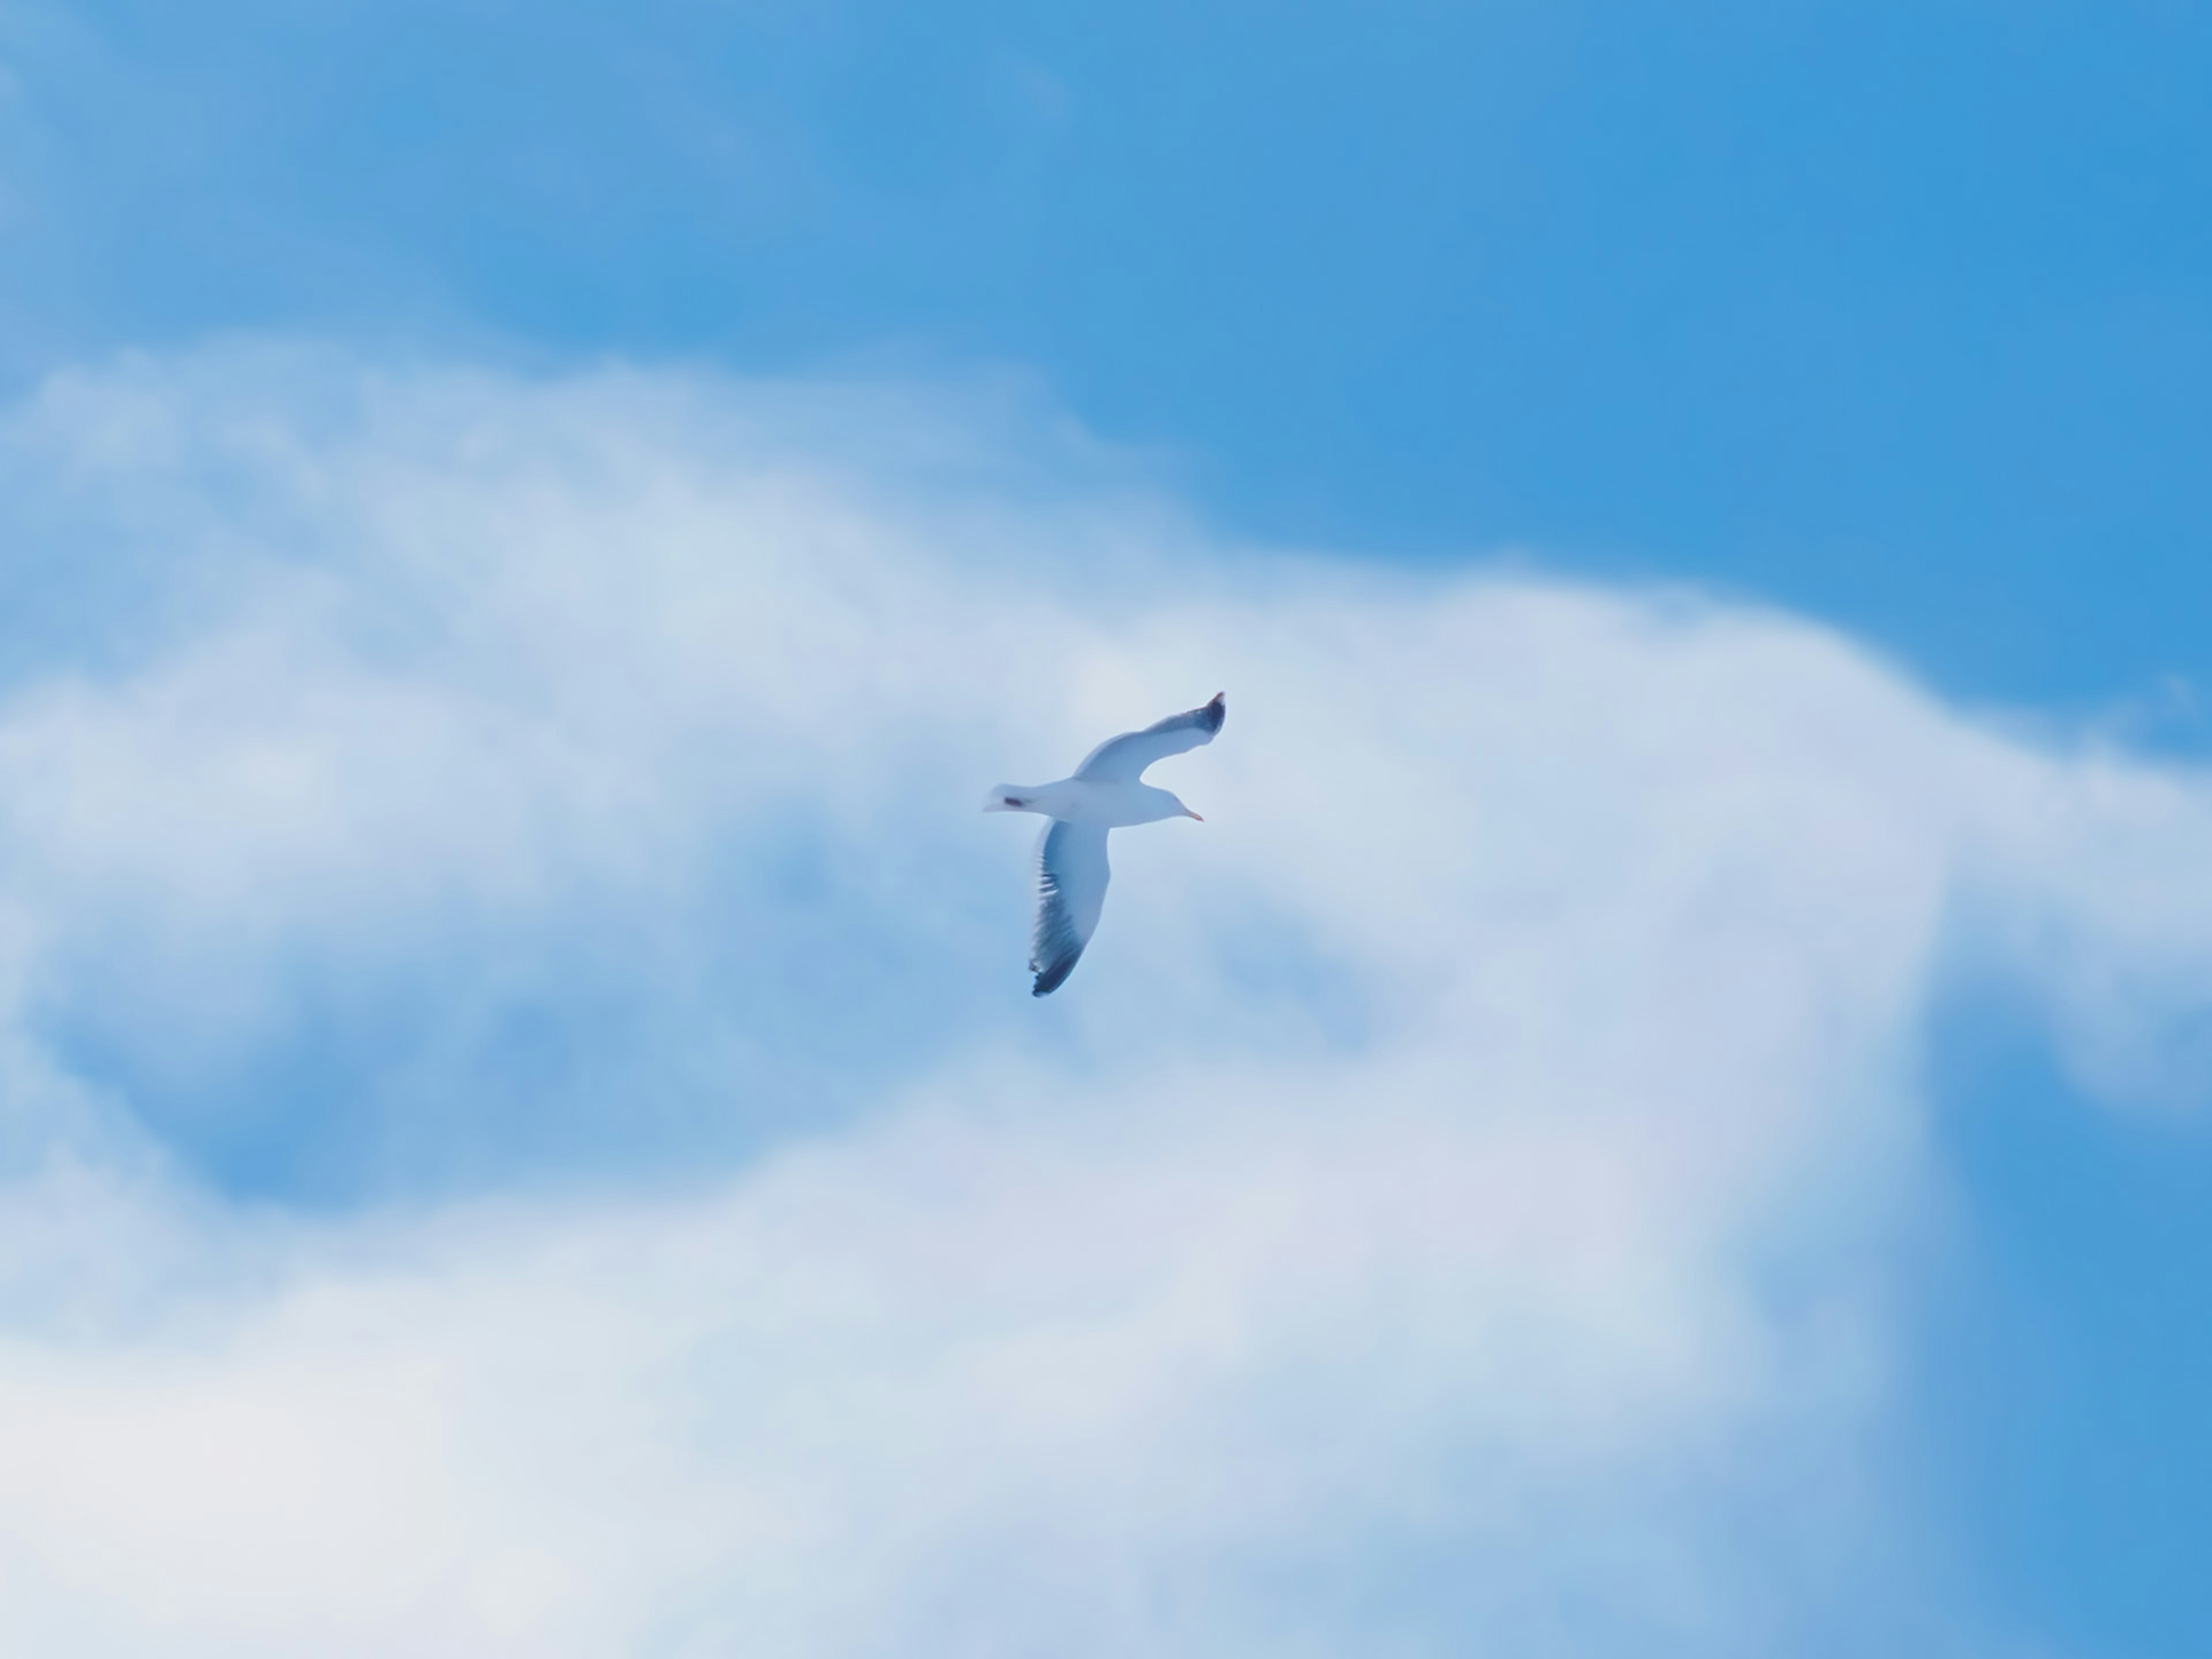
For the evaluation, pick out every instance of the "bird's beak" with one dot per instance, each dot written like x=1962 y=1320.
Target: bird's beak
x=1188 y=813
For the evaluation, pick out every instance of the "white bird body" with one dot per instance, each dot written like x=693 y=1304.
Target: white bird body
x=1106 y=792
x=1109 y=803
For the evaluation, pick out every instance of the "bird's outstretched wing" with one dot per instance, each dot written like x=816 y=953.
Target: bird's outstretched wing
x=1071 y=874
x=1123 y=759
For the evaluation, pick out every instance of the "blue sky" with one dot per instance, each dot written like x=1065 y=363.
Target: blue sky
x=1892 y=312
x=1894 y=317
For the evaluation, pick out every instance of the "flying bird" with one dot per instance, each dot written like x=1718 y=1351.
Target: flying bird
x=1107 y=793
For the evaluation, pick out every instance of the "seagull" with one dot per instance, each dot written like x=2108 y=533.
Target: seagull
x=1106 y=792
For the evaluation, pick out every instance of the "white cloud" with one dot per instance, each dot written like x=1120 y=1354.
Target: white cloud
x=1454 y=1205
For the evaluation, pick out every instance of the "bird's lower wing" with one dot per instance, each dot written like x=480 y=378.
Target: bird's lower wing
x=1072 y=875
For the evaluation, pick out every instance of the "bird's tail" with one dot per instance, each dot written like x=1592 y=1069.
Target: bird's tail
x=1008 y=797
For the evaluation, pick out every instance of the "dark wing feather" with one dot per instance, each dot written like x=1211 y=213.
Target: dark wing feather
x=1123 y=759
x=1071 y=875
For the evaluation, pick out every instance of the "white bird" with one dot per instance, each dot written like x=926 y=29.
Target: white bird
x=1105 y=793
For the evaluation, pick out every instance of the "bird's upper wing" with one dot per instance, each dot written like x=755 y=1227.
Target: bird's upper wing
x=1123 y=759
x=1072 y=874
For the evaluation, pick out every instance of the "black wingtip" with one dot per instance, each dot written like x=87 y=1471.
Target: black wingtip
x=1054 y=975
x=1216 y=711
